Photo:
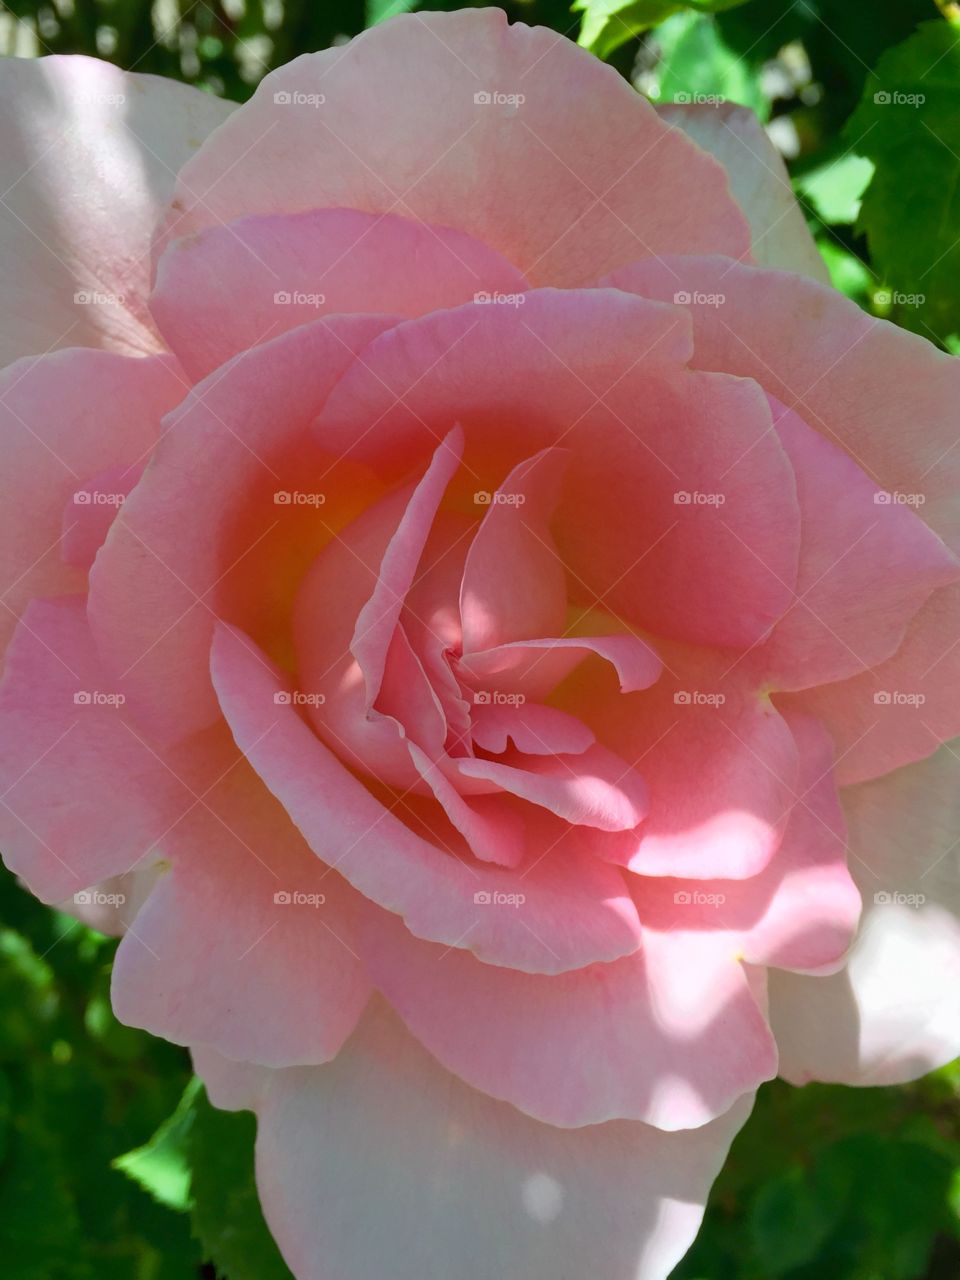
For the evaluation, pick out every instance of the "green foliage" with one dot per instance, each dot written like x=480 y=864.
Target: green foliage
x=607 y=24
x=908 y=124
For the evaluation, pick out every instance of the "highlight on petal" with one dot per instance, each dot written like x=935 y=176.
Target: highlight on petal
x=574 y=198
x=89 y=158
x=893 y=1012
x=465 y=1185
x=671 y=1035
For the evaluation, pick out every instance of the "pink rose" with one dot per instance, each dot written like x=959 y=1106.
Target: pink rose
x=490 y=569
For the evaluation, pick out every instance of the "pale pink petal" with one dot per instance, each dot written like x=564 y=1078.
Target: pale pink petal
x=352 y=597
x=718 y=759
x=574 y=911
x=858 y=381
x=231 y=1086
x=63 y=419
x=170 y=563
x=493 y=830
x=800 y=912
x=91 y=509
x=759 y=181
x=466 y=1186
x=679 y=509
x=866 y=567
x=535 y=667
x=573 y=180
x=406 y=696
x=671 y=1035
x=88 y=158
x=514 y=586
x=594 y=789
x=84 y=798
x=893 y=1013
x=904 y=708
x=380 y=615
x=530 y=727
x=233 y=286
x=245 y=943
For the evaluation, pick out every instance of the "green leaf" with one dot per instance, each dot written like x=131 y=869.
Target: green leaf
x=908 y=124
x=835 y=188
x=607 y=24
x=697 y=66
x=161 y=1166
x=226 y=1213
x=380 y=10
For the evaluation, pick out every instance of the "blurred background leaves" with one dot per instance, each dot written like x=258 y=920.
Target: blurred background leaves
x=113 y=1165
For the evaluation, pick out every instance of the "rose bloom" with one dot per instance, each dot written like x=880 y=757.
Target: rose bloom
x=480 y=620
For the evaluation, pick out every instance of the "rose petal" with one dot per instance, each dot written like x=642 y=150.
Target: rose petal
x=671 y=1035
x=679 y=511
x=245 y=943
x=575 y=909
x=758 y=179
x=63 y=418
x=179 y=549
x=88 y=159
x=232 y=286
x=514 y=586
x=392 y=121
x=893 y=1013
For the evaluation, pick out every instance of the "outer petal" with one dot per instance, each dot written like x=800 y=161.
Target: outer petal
x=858 y=381
x=232 y=287
x=84 y=798
x=759 y=181
x=465 y=1186
x=866 y=567
x=245 y=944
x=671 y=1035
x=894 y=1012
x=88 y=158
x=602 y=374
x=571 y=910
x=182 y=542
x=577 y=178
x=801 y=911
x=63 y=419
x=718 y=759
